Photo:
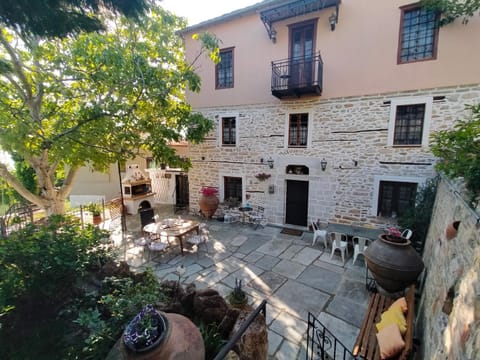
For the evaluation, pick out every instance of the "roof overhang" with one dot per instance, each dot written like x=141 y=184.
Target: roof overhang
x=294 y=9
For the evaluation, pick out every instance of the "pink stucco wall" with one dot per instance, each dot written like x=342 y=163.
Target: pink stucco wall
x=360 y=56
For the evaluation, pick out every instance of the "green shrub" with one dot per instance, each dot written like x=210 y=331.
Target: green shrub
x=459 y=151
x=418 y=218
x=51 y=307
x=41 y=262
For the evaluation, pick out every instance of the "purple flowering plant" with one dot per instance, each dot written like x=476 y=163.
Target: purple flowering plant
x=393 y=231
x=209 y=190
x=144 y=329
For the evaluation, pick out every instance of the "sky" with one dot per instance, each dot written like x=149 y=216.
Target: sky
x=197 y=11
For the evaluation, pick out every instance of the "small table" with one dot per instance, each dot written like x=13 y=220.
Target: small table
x=173 y=227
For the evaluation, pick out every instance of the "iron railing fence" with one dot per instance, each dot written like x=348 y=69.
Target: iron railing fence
x=322 y=344
x=297 y=76
x=262 y=308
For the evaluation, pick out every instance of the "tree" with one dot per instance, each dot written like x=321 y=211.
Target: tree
x=63 y=17
x=453 y=9
x=459 y=151
x=93 y=100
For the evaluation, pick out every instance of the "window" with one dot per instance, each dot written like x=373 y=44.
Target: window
x=232 y=188
x=395 y=198
x=228 y=131
x=151 y=163
x=410 y=121
x=409 y=124
x=418 y=35
x=224 y=70
x=298 y=130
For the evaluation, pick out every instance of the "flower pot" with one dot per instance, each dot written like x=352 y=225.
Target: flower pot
x=208 y=205
x=393 y=262
x=452 y=229
x=183 y=340
x=97 y=219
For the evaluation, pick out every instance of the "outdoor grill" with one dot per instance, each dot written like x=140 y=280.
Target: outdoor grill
x=137 y=190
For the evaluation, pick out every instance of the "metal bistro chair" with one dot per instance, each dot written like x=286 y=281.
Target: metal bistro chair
x=200 y=238
x=320 y=233
x=339 y=242
x=256 y=217
x=360 y=244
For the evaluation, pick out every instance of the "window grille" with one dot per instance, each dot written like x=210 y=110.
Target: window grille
x=224 y=70
x=228 y=131
x=409 y=121
x=298 y=130
x=419 y=33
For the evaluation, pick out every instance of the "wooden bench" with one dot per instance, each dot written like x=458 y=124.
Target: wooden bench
x=366 y=345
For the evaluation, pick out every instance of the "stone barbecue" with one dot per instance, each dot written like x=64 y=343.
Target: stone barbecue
x=137 y=190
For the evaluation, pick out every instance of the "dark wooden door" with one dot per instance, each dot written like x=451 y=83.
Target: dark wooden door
x=297 y=203
x=301 y=54
x=181 y=190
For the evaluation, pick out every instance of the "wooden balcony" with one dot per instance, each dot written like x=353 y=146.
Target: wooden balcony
x=297 y=77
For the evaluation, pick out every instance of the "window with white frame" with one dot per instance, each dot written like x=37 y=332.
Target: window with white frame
x=394 y=195
x=298 y=130
x=409 y=123
x=229 y=131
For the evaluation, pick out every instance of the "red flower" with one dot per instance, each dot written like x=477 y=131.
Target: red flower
x=209 y=190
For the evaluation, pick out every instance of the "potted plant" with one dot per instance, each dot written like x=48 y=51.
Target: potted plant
x=146 y=331
x=96 y=211
x=262 y=176
x=237 y=297
x=208 y=202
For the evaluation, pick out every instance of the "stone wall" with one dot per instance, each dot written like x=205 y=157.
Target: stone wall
x=449 y=313
x=349 y=133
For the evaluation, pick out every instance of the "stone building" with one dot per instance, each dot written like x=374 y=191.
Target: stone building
x=342 y=123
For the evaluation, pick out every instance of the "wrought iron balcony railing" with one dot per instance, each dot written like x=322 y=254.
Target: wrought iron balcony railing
x=297 y=76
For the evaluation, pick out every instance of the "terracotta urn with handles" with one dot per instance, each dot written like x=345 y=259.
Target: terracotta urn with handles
x=393 y=262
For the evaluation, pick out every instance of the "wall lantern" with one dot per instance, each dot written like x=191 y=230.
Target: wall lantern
x=323 y=164
x=333 y=19
x=270 y=163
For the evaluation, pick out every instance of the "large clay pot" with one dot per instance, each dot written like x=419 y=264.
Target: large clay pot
x=393 y=262
x=182 y=341
x=208 y=205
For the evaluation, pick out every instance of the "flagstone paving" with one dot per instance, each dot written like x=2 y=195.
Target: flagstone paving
x=294 y=277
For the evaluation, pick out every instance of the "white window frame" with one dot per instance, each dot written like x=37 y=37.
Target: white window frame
x=220 y=130
x=428 y=101
x=221 y=181
x=420 y=181
x=309 y=130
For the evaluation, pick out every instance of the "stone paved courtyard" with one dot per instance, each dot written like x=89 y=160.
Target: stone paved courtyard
x=294 y=277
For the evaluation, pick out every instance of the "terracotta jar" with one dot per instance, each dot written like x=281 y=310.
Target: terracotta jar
x=208 y=205
x=393 y=262
x=182 y=341
x=452 y=229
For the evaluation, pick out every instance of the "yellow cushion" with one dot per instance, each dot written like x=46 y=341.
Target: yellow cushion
x=394 y=315
x=402 y=302
x=390 y=341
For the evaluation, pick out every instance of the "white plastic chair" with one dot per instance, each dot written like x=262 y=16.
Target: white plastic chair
x=407 y=234
x=339 y=242
x=322 y=234
x=360 y=244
